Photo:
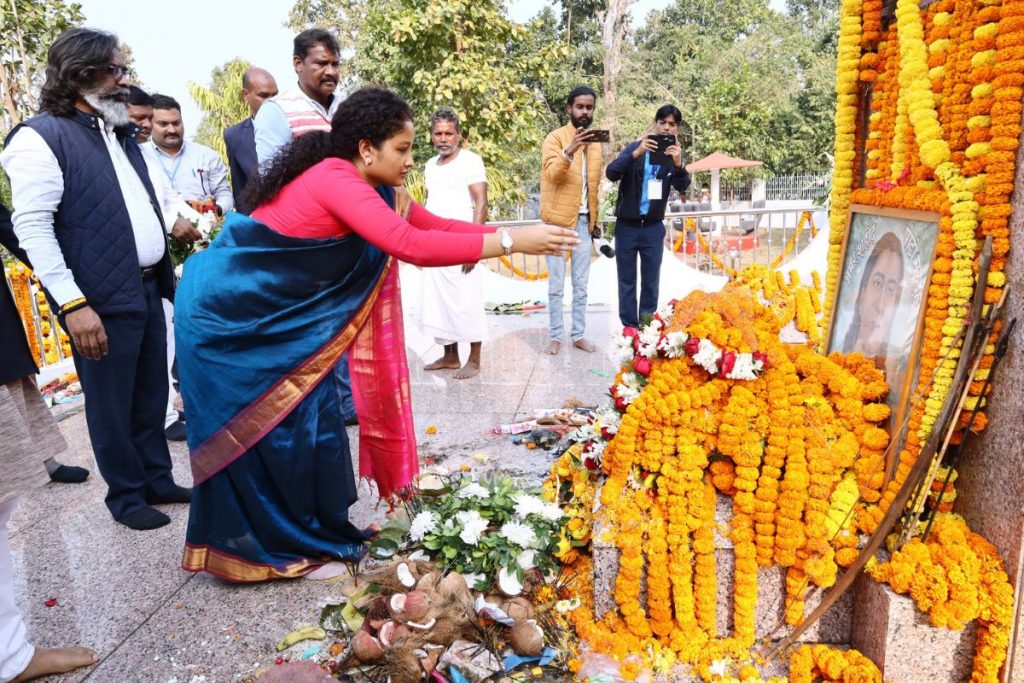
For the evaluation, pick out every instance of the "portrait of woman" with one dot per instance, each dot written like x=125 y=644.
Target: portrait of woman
x=880 y=300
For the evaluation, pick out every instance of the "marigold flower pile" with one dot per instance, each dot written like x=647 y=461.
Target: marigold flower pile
x=709 y=403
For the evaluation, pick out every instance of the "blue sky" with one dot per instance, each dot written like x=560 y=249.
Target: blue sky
x=213 y=33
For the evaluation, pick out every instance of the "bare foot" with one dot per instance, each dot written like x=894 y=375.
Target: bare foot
x=327 y=572
x=554 y=346
x=443 y=363
x=470 y=369
x=584 y=345
x=56 y=660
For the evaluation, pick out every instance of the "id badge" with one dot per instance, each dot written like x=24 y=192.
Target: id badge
x=654 y=188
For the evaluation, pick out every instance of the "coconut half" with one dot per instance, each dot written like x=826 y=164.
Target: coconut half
x=426 y=626
x=366 y=648
x=509 y=583
x=387 y=633
x=397 y=603
x=527 y=638
x=405 y=576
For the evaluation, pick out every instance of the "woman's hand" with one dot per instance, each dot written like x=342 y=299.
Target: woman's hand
x=544 y=239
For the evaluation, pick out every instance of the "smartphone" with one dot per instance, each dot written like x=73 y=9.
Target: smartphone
x=600 y=135
x=664 y=141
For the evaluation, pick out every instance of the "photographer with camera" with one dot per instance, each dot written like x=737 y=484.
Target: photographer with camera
x=570 y=179
x=648 y=169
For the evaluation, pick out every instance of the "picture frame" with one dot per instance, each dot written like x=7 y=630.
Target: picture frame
x=886 y=267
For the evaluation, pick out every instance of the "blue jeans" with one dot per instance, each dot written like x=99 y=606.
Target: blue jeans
x=580 y=274
x=633 y=240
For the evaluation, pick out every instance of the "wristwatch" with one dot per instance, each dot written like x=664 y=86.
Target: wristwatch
x=506 y=242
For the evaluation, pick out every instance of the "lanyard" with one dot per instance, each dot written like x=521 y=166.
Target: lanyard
x=171 y=175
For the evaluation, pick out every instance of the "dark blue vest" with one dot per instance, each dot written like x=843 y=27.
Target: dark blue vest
x=91 y=223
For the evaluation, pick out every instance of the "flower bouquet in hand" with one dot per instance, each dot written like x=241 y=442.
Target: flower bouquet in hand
x=202 y=214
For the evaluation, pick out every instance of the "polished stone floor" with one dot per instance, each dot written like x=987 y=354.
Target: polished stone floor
x=122 y=592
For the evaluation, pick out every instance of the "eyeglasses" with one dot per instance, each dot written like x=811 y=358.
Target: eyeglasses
x=118 y=71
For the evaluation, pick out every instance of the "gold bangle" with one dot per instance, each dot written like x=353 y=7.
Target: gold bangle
x=74 y=303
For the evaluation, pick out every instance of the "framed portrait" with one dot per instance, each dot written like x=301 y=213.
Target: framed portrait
x=879 y=307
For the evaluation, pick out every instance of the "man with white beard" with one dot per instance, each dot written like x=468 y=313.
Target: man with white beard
x=87 y=215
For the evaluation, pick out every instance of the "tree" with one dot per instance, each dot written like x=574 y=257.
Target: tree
x=221 y=103
x=27 y=28
x=614 y=22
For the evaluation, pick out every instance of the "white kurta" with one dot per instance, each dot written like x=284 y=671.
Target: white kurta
x=452 y=302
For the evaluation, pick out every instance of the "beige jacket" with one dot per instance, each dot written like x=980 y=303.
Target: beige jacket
x=561 y=182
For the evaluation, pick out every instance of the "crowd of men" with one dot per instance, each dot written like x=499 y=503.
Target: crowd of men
x=103 y=177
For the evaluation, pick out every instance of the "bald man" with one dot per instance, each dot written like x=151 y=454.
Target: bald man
x=257 y=86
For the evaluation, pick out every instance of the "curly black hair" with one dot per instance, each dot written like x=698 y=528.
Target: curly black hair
x=74 y=63
x=373 y=114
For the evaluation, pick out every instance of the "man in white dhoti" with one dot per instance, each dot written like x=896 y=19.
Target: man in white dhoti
x=452 y=305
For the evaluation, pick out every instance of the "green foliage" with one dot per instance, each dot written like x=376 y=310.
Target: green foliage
x=27 y=28
x=751 y=82
x=221 y=103
x=481 y=527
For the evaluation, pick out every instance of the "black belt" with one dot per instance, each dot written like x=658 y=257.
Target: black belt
x=148 y=273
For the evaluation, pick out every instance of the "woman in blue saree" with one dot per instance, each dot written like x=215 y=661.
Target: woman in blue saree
x=261 y=320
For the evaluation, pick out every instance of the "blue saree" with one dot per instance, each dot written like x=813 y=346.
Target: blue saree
x=261 y=320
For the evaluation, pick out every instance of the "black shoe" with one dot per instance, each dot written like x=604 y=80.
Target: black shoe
x=69 y=474
x=176 y=494
x=352 y=421
x=177 y=431
x=144 y=519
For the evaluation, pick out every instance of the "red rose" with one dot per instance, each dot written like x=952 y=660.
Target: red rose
x=630 y=331
x=590 y=463
x=761 y=356
x=620 y=404
x=727 y=362
x=692 y=346
x=642 y=365
x=606 y=434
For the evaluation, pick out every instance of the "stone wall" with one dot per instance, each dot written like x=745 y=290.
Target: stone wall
x=990 y=487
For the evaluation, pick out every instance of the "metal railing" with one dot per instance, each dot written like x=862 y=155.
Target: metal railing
x=705 y=240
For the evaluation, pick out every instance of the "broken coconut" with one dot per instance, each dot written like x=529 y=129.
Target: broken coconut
x=509 y=583
x=405 y=575
x=366 y=648
x=527 y=638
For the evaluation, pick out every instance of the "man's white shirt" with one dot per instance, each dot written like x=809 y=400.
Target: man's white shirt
x=37 y=187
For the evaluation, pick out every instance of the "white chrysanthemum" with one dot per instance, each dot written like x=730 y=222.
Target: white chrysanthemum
x=610 y=420
x=743 y=368
x=520 y=534
x=422 y=524
x=474 y=490
x=623 y=349
x=528 y=505
x=718 y=668
x=551 y=512
x=649 y=338
x=707 y=356
x=473 y=526
x=627 y=393
x=582 y=433
x=666 y=312
x=672 y=345
x=527 y=560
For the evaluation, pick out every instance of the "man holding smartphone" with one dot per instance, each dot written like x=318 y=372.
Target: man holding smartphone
x=569 y=180
x=647 y=169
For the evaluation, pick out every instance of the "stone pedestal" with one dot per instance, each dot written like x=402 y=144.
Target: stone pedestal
x=832 y=628
x=897 y=636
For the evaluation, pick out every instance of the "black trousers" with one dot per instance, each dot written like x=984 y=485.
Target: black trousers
x=125 y=404
x=635 y=240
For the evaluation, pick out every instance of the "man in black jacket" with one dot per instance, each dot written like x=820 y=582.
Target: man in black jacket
x=646 y=177
x=88 y=217
x=258 y=86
